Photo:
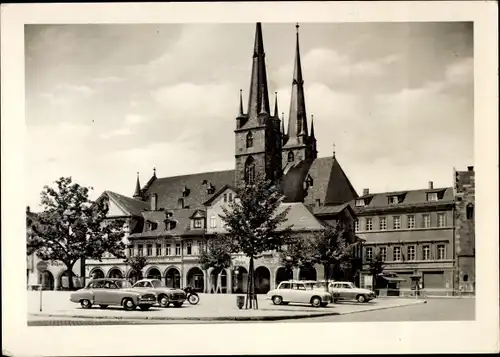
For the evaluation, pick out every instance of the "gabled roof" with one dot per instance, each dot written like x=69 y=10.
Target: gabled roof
x=129 y=205
x=182 y=218
x=299 y=216
x=169 y=189
x=218 y=193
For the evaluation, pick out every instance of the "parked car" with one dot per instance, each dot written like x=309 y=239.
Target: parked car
x=299 y=291
x=107 y=291
x=164 y=296
x=345 y=290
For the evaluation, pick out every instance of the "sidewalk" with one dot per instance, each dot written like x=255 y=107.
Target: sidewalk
x=212 y=307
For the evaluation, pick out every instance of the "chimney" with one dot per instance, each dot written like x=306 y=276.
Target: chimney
x=470 y=168
x=154 y=202
x=431 y=185
x=366 y=191
x=28 y=209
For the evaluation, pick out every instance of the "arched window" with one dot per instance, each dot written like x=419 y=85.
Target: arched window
x=249 y=139
x=466 y=278
x=470 y=211
x=250 y=170
x=290 y=156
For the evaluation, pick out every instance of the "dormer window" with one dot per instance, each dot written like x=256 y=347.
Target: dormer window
x=432 y=196
x=151 y=226
x=185 y=192
x=395 y=199
x=170 y=224
x=360 y=203
x=290 y=156
x=198 y=223
x=211 y=189
x=249 y=140
x=309 y=181
x=180 y=203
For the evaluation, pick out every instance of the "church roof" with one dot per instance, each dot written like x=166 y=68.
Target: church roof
x=169 y=189
x=299 y=217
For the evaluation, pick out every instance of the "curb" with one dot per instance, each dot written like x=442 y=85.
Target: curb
x=228 y=318
x=207 y=318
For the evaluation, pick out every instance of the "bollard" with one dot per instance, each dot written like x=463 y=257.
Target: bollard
x=41 y=298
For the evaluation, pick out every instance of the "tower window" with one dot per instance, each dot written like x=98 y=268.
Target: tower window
x=249 y=139
x=291 y=158
x=250 y=170
x=470 y=211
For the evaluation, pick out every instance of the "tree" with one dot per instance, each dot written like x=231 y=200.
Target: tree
x=295 y=253
x=216 y=254
x=331 y=247
x=137 y=264
x=376 y=267
x=71 y=227
x=252 y=221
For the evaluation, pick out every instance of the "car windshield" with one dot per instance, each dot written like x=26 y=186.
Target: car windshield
x=349 y=285
x=309 y=286
x=319 y=285
x=123 y=284
x=157 y=284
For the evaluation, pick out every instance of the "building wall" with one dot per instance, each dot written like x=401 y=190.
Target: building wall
x=55 y=271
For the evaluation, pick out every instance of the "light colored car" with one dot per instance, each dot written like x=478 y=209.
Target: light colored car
x=345 y=290
x=299 y=291
x=107 y=291
x=164 y=296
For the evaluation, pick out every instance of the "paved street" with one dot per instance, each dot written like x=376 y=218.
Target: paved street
x=434 y=310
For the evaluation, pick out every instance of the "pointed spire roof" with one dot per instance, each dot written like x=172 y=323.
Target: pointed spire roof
x=283 y=123
x=258 y=97
x=312 y=127
x=297 y=121
x=240 y=111
x=276 y=112
x=137 y=192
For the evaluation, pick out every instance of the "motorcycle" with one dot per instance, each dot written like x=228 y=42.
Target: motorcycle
x=191 y=295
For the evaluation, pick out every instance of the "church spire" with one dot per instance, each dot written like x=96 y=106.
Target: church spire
x=312 y=127
x=258 y=98
x=276 y=113
x=137 y=193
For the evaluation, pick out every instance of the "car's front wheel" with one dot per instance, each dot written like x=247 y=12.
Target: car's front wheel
x=316 y=301
x=86 y=304
x=128 y=304
x=144 y=307
x=163 y=301
x=361 y=298
x=277 y=300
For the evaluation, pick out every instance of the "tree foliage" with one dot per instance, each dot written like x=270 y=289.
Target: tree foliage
x=71 y=226
x=216 y=254
x=254 y=224
x=376 y=267
x=137 y=263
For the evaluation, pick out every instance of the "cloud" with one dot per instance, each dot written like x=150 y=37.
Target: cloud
x=117 y=132
x=109 y=80
x=132 y=119
x=461 y=72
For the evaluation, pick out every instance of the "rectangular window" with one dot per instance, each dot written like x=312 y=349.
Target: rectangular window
x=197 y=223
x=396 y=222
x=130 y=252
x=441 y=252
x=383 y=223
x=213 y=222
x=201 y=247
x=150 y=250
x=426 y=252
x=158 y=250
x=383 y=253
x=432 y=196
x=189 y=248
x=397 y=254
x=369 y=224
x=356 y=226
x=360 y=203
x=139 y=250
x=411 y=253
x=393 y=199
x=168 y=250
x=225 y=197
x=441 y=220
x=411 y=222
x=427 y=220
x=178 y=249
x=369 y=253
x=230 y=197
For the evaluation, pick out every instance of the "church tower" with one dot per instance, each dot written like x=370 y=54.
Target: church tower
x=258 y=134
x=298 y=144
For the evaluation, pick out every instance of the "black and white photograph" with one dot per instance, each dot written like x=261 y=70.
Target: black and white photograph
x=246 y=178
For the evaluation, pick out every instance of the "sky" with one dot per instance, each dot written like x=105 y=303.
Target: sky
x=104 y=102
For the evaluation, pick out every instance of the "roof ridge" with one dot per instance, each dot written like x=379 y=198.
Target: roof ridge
x=410 y=190
x=196 y=173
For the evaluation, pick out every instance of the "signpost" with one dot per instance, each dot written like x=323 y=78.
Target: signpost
x=41 y=266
